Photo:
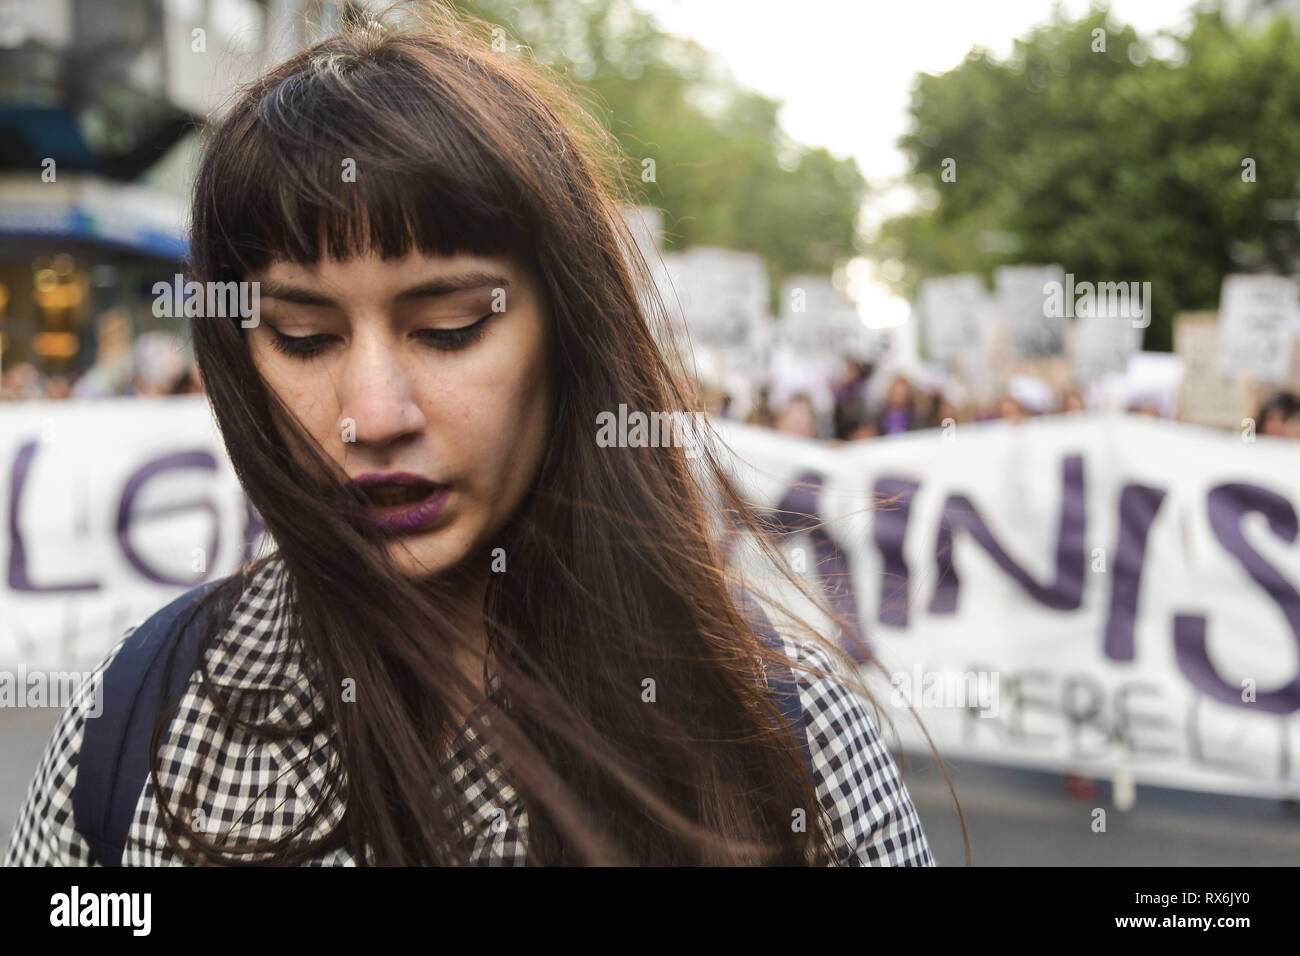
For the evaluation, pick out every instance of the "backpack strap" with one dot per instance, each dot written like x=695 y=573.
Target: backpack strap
x=113 y=763
x=780 y=679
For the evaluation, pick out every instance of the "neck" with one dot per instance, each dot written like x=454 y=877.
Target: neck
x=462 y=591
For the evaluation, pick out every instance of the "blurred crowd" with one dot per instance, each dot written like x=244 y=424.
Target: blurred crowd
x=1280 y=416
x=869 y=403
x=152 y=363
x=862 y=401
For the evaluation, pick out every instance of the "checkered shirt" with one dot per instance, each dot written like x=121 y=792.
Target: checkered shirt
x=259 y=789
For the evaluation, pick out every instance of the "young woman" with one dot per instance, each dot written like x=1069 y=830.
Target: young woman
x=482 y=637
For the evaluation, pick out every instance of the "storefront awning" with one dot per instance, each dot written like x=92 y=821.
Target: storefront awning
x=88 y=208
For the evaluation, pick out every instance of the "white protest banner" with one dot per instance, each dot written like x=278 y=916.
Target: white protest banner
x=1082 y=594
x=115 y=506
x=1022 y=299
x=1123 y=591
x=1257 y=325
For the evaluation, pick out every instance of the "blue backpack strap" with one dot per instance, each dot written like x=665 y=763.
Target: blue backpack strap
x=780 y=679
x=113 y=763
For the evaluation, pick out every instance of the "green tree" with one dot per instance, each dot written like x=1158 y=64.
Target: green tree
x=1122 y=163
x=725 y=172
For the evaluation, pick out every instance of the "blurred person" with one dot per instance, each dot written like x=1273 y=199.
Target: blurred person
x=1073 y=400
x=717 y=402
x=400 y=437
x=798 y=417
x=1149 y=409
x=1291 y=424
x=858 y=427
x=850 y=415
x=855 y=422
x=898 y=414
x=849 y=397
x=114 y=366
x=1274 y=413
x=867 y=428
x=21 y=382
x=1025 y=396
x=58 y=386
x=942 y=410
x=936 y=409
x=159 y=363
x=1009 y=409
x=190 y=382
x=761 y=414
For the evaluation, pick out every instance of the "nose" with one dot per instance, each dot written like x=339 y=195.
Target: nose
x=377 y=398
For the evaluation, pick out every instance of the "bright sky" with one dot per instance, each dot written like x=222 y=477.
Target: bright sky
x=868 y=51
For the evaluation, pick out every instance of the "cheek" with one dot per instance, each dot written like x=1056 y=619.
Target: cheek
x=308 y=395
x=493 y=413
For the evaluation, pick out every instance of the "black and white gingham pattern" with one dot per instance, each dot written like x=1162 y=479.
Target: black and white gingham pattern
x=255 y=789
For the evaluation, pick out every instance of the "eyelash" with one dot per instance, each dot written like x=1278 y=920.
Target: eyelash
x=445 y=340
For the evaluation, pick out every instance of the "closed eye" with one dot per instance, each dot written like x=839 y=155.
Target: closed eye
x=300 y=346
x=309 y=346
x=459 y=338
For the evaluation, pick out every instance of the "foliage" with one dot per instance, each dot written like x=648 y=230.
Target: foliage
x=1120 y=165
x=725 y=173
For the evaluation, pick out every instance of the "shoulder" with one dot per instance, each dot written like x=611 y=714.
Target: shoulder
x=244 y=612
x=46 y=831
x=873 y=820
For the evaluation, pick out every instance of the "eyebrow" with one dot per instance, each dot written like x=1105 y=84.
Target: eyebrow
x=431 y=288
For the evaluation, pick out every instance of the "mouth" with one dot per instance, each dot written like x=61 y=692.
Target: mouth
x=402 y=503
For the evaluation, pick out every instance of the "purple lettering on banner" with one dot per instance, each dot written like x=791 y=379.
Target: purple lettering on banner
x=1227 y=505
x=1014 y=692
x=797 y=513
x=1128 y=721
x=18 y=578
x=184 y=459
x=892 y=509
x=1138 y=506
x=1081 y=705
x=1063 y=593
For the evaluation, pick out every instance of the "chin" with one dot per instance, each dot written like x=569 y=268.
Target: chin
x=432 y=554
x=413 y=563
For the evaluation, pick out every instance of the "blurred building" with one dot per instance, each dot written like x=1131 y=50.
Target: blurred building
x=101 y=102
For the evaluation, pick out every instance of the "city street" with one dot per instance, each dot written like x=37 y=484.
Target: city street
x=1014 y=817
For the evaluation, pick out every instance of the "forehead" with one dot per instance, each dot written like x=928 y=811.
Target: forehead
x=373 y=266
x=373 y=278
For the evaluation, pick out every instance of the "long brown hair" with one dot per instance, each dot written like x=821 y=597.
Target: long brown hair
x=615 y=570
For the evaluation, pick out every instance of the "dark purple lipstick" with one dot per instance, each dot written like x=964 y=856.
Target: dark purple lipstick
x=400 y=502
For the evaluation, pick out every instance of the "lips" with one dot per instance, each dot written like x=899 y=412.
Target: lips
x=389 y=495
x=401 y=502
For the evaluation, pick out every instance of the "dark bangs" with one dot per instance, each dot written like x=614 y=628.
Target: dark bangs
x=351 y=156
